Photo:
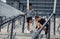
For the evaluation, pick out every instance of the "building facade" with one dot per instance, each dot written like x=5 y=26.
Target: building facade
x=38 y=5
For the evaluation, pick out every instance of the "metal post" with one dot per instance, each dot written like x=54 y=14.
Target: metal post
x=54 y=24
x=48 y=35
x=11 y=35
x=8 y=27
x=28 y=4
x=23 y=25
x=0 y=22
x=54 y=8
x=20 y=20
x=14 y=24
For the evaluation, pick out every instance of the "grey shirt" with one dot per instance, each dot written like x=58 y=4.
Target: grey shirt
x=30 y=13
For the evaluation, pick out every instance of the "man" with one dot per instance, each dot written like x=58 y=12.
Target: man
x=40 y=22
x=29 y=14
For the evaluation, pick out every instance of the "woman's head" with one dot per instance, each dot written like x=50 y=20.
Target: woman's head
x=37 y=18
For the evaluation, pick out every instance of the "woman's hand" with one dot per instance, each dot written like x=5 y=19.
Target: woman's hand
x=44 y=29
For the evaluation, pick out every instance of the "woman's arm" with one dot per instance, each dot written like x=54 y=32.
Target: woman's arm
x=38 y=26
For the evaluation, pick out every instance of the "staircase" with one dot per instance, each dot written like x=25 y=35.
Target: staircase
x=18 y=35
x=17 y=31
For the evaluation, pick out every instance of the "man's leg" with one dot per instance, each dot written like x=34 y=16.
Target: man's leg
x=29 y=21
x=28 y=27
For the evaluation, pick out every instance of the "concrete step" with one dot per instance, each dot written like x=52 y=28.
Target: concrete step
x=3 y=35
x=23 y=34
x=17 y=36
x=1 y=38
x=43 y=38
x=22 y=37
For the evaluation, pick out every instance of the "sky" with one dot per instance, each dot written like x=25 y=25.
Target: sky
x=3 y=0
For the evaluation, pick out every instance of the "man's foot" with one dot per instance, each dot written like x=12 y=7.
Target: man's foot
x=28 y=31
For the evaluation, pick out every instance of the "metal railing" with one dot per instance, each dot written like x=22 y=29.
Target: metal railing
x=39 y=31
x=12 y=21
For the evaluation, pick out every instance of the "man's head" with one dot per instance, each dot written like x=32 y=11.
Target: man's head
x=37 y=18
x=30 y=6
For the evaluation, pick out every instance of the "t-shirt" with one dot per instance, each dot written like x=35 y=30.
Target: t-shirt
x=30 y=13
x=42 y=21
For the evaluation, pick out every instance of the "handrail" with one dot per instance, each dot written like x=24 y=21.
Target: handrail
x=38 y=13
x=11 y=19
x=7 y=18
x=39 y=31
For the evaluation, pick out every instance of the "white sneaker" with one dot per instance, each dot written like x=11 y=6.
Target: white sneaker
x=28 y=31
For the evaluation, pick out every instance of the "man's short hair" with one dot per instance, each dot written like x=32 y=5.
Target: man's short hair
x=36 y=17
x=30 y=4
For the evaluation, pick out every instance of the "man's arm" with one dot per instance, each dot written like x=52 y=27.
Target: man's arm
x=33 y=13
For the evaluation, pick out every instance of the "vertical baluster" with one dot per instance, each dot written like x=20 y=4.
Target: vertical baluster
x=54 y=23
x=0 y=22
x=23 y=25
x=48 y=35
x=11 y=35
x=8 y=27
